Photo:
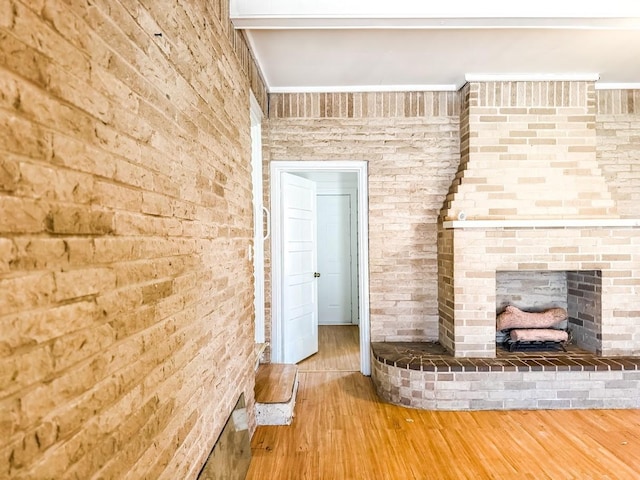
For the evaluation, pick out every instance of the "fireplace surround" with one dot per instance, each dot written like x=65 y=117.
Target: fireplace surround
x=473 y=252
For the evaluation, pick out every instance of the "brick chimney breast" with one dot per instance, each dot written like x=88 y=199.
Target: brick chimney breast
x=529 y=196
x=528 y=151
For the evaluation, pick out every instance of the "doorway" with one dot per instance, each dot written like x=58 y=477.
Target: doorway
x=343 y=200
x=337 y=246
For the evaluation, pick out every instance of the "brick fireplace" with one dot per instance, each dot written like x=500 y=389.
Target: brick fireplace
x=468 y=305
x=529 y=220
x=529 y=196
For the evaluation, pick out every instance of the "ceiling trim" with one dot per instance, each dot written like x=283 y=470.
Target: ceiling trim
x=420 y=8
x=368 y=88
x=421 y=14
x=533 y=77
x=592 y=77
x=320 y=23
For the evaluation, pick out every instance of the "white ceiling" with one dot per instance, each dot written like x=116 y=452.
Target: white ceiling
x=376 y=45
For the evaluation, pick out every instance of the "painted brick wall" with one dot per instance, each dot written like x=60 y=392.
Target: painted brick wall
x=528 y=115
x=465 y=107
x=411 y=142
x=618 y=147
x=446 y=292
x=126 y=331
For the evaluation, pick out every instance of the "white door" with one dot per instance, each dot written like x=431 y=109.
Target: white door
x=334 y=259
x=300 y=288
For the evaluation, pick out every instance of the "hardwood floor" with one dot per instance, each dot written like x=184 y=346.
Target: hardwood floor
x=275 y=382
x=338 y=350
x=343 y=431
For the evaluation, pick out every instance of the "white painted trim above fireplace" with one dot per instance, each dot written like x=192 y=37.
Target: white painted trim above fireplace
x=548 y=223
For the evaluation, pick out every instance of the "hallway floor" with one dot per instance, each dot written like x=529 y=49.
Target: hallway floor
x=343 y=431
x=338 y=350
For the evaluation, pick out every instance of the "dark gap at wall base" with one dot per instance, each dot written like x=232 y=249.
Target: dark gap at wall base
x=231 y=454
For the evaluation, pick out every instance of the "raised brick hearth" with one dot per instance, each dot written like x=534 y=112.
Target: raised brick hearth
x=425 y=375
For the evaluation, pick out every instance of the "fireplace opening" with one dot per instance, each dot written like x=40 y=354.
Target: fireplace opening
x=577 y=292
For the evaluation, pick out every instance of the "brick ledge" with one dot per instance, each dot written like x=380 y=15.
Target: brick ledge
x=432 y=357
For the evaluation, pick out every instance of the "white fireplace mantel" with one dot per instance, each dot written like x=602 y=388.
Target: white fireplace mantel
x=545 y=223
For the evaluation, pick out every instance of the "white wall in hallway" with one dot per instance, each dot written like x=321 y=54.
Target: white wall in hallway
x=332 y=298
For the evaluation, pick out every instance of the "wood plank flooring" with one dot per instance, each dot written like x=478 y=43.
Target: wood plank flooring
x=274 y=383
x=338 y=350
x=343 y=431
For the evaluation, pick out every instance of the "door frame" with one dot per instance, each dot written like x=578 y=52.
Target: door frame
x=360 y=169
x=257 y=249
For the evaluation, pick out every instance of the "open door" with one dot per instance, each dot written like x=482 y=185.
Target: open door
x=281 y=351
x=299 y=290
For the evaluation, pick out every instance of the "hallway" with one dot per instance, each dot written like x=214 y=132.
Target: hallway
x=343 y=431
x=338 y=350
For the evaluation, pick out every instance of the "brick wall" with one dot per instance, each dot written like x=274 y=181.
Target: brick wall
x=126 y=330
x=526 y=138
x=446 y=293
x=585 y=308
x=579 y=144
x=618 y=146
x=445 y=258
x=411 y=143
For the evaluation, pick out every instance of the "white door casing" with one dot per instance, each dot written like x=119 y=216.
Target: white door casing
x=258 y=208
x=334 y=259
x=360 y=169
x=299 y=264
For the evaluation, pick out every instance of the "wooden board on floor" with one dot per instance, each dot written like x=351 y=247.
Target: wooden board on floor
x=274 y=382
